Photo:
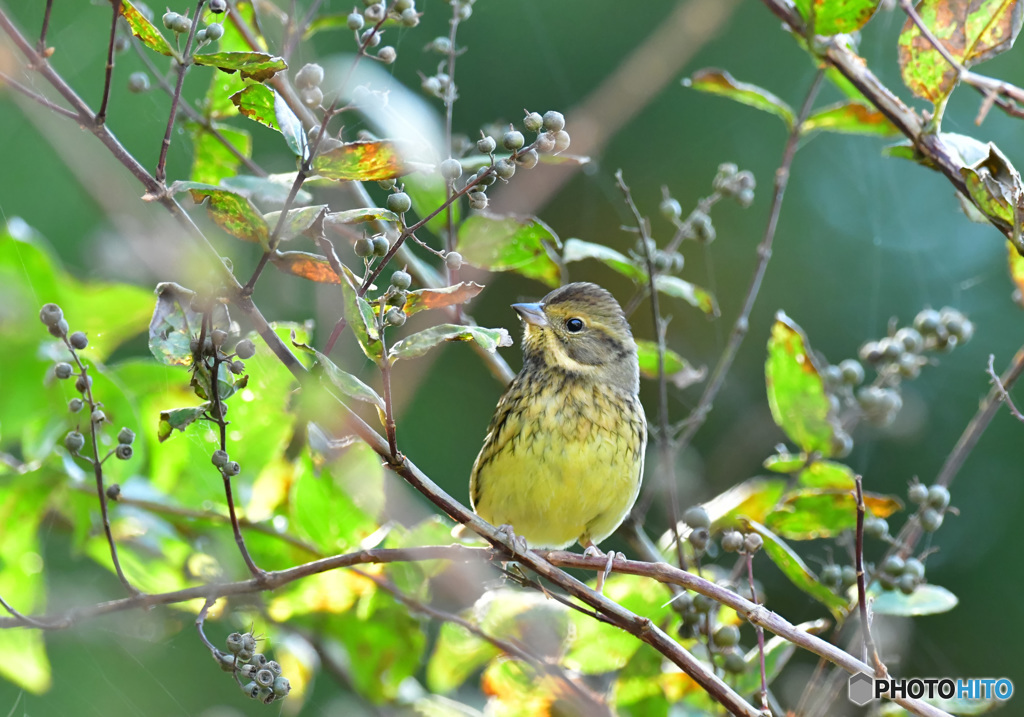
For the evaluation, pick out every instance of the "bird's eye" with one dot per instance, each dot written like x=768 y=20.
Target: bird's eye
x=574 y=325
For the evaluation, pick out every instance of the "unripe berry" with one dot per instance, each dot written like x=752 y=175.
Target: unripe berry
x=533 y=121
x=370 y=38
x=50 y=314
x=214 y=32
x=401 y=280
x=734 y=663
x=182 y=25
x=486 y=145
x=388 y=184
x=231 y=468
x=753 y=542
x=75 y=405
x=938 y=497
x=732 y=541
x=123 y=451
x=554 y=121
x=727 y=635
x=113 y=491
x=62 y=370
x=387 y=55
x=245 y=349
x=98 y=416
x=696 y=517
x=431 y=85
x=453 y=260
x=237 y=368
x=910 y=338
x=311 y=96
x=528 y=159
x=561 y=141
x=451 y=169
x=218 y=6
x=83 y=383
x=907 y=584
x=126 y=435
x=234 y=642
x=381 y=245
x=363 y=247
x=74 y=441
x=219 y=458
x=876 y=527
x=545 y=142
x=513 y=140
x=832 y=575
x=138 y=82
x=441 y=45
x=395 y=317
x=927 y=321
x=410 y=18
x=852 y=372
x=282 y=686
x=264 y=677
x=671 y=209
x=170 y=19
x=699 y=539
x=60 y=329
x=931 y=520
x=399 y=202
x=918 y=493
x=505 y=168
x=478 y=201
x=251 y=689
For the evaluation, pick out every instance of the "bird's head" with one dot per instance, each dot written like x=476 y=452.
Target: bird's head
x=580 y=329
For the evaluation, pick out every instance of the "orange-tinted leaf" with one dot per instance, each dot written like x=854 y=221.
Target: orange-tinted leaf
x=309 y=266
x=257 y=103
x=850 y=118
x=424 y=299
x=361 y=161
x=144 y=29
x=257 y=66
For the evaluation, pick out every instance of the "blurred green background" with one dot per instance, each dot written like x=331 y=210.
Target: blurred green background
x=861 y=239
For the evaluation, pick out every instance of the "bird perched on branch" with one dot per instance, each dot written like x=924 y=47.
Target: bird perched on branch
x=564 y=455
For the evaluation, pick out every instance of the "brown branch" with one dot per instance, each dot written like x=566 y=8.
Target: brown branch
x=101 y=116
x=862 y=601
x=35 y=96
x=183 y=64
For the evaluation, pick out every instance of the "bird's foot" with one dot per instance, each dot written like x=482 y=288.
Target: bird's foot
x=516 y=543
x=592 y=551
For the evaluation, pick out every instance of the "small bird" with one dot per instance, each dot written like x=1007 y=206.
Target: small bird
x=564 y=455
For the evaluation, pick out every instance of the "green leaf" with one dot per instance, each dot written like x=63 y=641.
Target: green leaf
x=256 y=101
x=827 y=474
x=419 y=343
x=507 y=243
x=335 y=220
x=178 y=419
x=427 y=192
x=810 y=513
x=834 y=18
x=360 y=318
x=296 y=223
x=577 y=250
x=258 y=66
x=796 y=392
x=361 y=161
x=994 y=184
x=144 y=29
x=347 y=383
x=970 y=32
x=925 y=600
x=690 y=293
x=785 y=462
x=752 y=499
x=230 y=211
x=212 y=161
x=423 y=299
x=174 y=323
x=720 y=82
x=677 y=369
x=797 y=571
x=290 y=126
x=321 y=509
x=850 y=117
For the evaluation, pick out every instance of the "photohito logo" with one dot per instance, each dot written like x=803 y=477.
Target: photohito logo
x=864 y=688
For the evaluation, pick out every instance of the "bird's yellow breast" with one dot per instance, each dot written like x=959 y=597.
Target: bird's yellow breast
x=562 y=462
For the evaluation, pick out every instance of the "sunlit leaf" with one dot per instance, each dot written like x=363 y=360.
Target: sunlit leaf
x=796 y=393
x=577 y=250
x=794 y=568
x=677 y=369
x=785 y=462
x=423 y=299
x=144 y=29
x=290 y=126
x=419 y=343
x=231 y=211
x=507 y=243
x=358 y=216
x=360 y=319
x=833 y=18
x=258 y=66
x=850 y=118
x=810 y=513
x=308 y=266
x=925 y=600
x=296 y=223
x=212 y=161
x=322 y=511
x=256 y=101
x=827 y=474
x=178 y=419
x=971 y=32
x=752 y=499
x=361 y=161
x=690 y=293
x=720 y=82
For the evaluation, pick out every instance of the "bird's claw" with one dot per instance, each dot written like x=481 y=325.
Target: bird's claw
x=516 y=543
x=592 y=551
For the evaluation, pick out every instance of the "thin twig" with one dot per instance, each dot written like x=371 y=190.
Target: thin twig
x=41 y=44
x=666 y=452
x=24 y=620
x=101 y=115
x=760 y=634
x=451 y=94
x=394 y=457
x=1003 y=394
x=764 y=253
x=35 y=96
x=183 y=64
x=870 y=651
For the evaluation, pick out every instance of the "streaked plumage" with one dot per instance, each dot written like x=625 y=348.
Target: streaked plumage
x=563 y=457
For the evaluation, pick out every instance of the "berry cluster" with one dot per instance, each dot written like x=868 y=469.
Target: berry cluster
x=264 y=681
x=180 y=25
x=733 y=541
x=729 y=183
x=52 y=317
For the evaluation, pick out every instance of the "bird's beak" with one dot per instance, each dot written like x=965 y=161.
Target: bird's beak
x=532 y=314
